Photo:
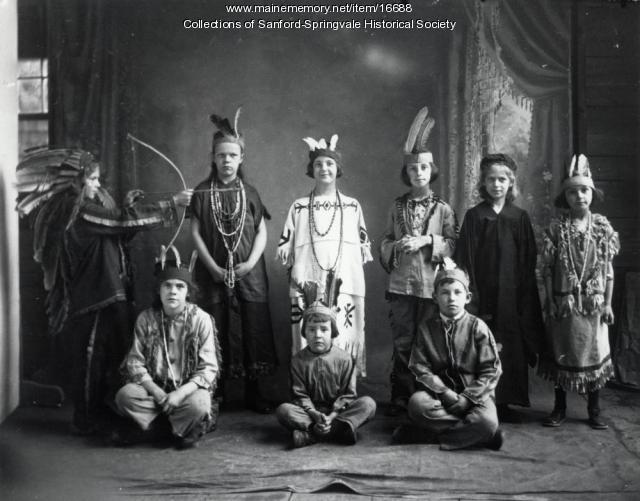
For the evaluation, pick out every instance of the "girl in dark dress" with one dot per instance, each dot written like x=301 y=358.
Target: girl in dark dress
x=229 y=232
x=498 y=249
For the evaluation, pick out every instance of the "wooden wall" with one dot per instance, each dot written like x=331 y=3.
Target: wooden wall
x=609 y=98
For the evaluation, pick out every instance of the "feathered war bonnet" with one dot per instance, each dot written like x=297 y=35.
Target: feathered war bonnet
x=321 y=300
x=415 y=147
x=320 y=148
x=174 y=269
x=578 y=174
x=226 y=133
x=44 y=173
x=450 y=271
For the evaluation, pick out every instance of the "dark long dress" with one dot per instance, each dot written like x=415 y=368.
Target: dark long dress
x=242 y=314
x=499 y=253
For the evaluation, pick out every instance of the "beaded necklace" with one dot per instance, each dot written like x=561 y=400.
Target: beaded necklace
x=313 y=229
x=234 y=220
x=573 y=271
x=172 y=375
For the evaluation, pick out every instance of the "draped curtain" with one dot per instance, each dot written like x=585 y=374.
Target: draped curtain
x=528 y=44
x=89 y=93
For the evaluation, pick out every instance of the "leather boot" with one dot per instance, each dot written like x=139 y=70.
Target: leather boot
x=558 y=414
x=593 y=409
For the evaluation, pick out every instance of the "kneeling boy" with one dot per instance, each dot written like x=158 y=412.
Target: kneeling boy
x=455 y=362
x=325 y=405
x=171 y=367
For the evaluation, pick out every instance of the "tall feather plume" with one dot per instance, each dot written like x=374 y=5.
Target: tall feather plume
x=571 y=166
x=333 y=142
x=311 y=143
x=222 y=124
x=235 y=121
x=415 y=129
x=310 y=293
x=423 y=135
x=192 y=261
x=332 y=291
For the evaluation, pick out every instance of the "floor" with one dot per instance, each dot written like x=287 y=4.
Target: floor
x=248 y=458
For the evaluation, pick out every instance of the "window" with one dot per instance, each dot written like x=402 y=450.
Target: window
x=33 y=103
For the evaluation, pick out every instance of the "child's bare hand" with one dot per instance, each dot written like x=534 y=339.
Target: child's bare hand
x=607 y=315
x=409 y=245
x=173 y=400
x=242 y=269
x=316 y=416
x=461 y=407
x=283 y=255
x=217 y=273
x=183 y=198
x=448 y=398
x=321 y=429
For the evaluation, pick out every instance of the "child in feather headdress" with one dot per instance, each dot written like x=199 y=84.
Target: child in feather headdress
x=325 y=405
x=172 y=367
x=325 y=240
x=79 y=237
x=229 y=231
x=421 y=230
x=577 y=257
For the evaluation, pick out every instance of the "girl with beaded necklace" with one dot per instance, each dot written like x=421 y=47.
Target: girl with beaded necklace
x=579 y=247
x=421 y=231
x=325 y=241
x=229 y=233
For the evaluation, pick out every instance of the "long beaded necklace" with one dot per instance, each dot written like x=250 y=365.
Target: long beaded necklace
x=313 y=229
x=234 y=221
x=572 y=262
x=176 y=382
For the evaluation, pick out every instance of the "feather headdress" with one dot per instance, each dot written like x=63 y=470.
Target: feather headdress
x=49 y=185
x=226 y=132
x=44 y=173
x=578 y=173
x=168 y=269
x=416 y=149
x=320 y=148
x=322 y=299
x=449 y=270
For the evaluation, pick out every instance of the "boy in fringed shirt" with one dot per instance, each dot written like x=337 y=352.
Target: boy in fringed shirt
x=325 y=405
x=456 y=365
x=172 y=366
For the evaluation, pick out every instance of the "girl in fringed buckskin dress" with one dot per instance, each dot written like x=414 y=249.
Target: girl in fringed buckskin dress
x=578 y=251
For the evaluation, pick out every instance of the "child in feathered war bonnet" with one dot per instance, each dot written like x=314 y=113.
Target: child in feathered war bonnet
x=172 y=366
x=497 y=248
x=325 y=240
x=325 y=405
x=229 y=232
x=421 y=230
x=456 y=365
x=579 y=248
x=80 y=238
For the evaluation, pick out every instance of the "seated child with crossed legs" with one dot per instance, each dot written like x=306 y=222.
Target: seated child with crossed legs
x=455 y=362
x=325 y=405
x=172 y=366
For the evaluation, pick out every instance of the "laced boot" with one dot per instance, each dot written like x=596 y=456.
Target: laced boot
x=558 y=414
x=593 y=409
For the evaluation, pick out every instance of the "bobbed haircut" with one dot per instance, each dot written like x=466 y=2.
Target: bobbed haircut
x=498 y=159
x=338 y=164
x=404 y=175
x=561 y=200
x=193 y=294
x=319 y=317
